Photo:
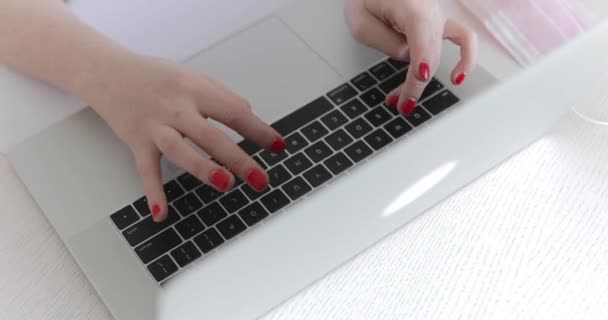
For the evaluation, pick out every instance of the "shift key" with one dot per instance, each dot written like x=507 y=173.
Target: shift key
x=146 y=228
x=158 y=245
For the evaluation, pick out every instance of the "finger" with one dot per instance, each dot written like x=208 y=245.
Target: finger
x=392 y=99
x=425 y=53
x=224 y=150
x=148 y=167
x=235 y=112
x=369 y=30
x=467 y=40
x=178 y=151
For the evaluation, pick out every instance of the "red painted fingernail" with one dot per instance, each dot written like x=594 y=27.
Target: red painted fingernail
x=392 y=101
x=278 y=146
x=155 y=211
x=460 y=79
x=409 y=106
x=425 y=71
x=257 y=180
x=220 y=179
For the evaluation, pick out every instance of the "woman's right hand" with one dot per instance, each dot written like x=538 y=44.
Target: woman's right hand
x=411 y=30
x=152 y=105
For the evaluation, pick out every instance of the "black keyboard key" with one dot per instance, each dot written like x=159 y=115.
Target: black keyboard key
x=303 y=116
x=373 y=97
x=212 y=213
x=378 y=139
x=364 y=81
x=298 y=164
x=190 y=227
x=358 y=128
x=334 y=120
x=162 y=268
x=295 y=143
x=125 y=217
x=419 y=117
x=338 y=163
x=354 y=108
x=146 y=228
x=382 y=71
x=189 y=182
x=142 y=206
x=275 y=201
x=187 y=204
x=392 y=83
x=173 y=190
x=317 y=176
x=339 y=140
x=208 y=240
x=296 y=188
x=234 y=200
x=391 y=110
x=278 y=175
x=358 y=151
x=342 y=94
x=260 y=162
x=207 y=193
x=441 y=102
x=185 y=254
x=397 y=64
x=318 y=151
x=231 y=227
x=398 y=128
x=238 y=182
x=253 y=194
x=249 y=147
x=158 y=245
x=378 y=116
x=253 y=214
x=272 y=158
x=315 y=131
x=431 y=88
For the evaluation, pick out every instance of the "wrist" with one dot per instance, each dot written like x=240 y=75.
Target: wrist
x=97 y=76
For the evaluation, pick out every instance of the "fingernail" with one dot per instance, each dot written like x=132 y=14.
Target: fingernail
x=460 y=79
x=408 y=106
x=257 y=180
x=220 y=179
x=278 y=146
x=425 y=71
x=155 y=211
x=392 y=101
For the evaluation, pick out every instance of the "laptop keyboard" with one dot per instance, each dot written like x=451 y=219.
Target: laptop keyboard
x=324 y=139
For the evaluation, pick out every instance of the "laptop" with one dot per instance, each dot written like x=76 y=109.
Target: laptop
x=355 y=171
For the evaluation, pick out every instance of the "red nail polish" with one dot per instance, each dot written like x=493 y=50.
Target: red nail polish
x=392 y=101
x=408 y=107
x=460 y=79
x=220 y=179
x=278 y=146
x=257 y=180
x=155 y=210
x=425 y=71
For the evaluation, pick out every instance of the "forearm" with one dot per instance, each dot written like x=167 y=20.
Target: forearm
x=44 y=39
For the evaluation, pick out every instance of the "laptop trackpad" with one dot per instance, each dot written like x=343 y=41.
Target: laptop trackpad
x=278 y=75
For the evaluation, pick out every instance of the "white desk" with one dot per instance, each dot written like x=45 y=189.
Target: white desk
x=527 y=240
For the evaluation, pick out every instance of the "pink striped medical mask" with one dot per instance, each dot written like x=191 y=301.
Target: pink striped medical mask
x=529 y=29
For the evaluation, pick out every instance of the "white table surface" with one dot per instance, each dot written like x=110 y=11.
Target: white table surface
x=527 y=240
